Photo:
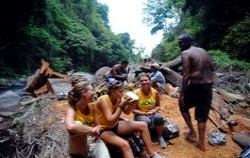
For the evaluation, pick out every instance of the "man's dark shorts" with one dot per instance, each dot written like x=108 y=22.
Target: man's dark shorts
x=200 y=97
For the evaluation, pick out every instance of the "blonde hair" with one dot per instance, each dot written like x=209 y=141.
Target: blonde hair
x=74 y=95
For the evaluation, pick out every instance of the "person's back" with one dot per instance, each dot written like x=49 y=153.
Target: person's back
x=197 y=85
x=200 y=66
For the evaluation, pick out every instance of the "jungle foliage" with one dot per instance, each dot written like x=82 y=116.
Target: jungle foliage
x=75 y=34
x=69 y=34
x=215 y=25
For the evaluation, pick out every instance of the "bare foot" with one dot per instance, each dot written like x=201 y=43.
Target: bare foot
x=199 y=146
x=189 y=135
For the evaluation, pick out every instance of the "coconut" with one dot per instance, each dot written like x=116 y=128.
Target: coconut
x=131 y=95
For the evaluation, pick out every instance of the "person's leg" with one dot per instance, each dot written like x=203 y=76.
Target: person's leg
x=202 y=111
x=144 y=119
x=159 y=122
x=189 y=102
x=187 y=118
x=112 y=139
x=201 y=128
x=127 y=127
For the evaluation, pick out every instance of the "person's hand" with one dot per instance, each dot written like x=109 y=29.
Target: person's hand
x=126 y=100
x=96 y=132
x=150 y=113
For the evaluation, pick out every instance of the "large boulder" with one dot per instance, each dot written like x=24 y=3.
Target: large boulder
x=59 y=85
x=100 y=73
x=83 y=76
x=9 y=102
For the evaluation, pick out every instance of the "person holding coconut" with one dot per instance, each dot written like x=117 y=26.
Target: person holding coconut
x=82 y=124
x=109 y=110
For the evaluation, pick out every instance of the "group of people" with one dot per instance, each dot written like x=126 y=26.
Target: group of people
x=94 y=123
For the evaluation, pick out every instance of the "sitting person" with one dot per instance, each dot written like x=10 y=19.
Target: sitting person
x=157 y=78
x=109 y=109
x=82 y=124
x=148 y=106
x=118 y=72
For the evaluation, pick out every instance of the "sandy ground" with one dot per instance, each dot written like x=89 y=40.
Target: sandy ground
x=182 y=148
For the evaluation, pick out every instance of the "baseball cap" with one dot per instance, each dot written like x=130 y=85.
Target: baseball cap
x=155 y=65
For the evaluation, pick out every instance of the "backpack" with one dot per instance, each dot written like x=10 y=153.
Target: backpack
x=170 y=130
x=135 y=144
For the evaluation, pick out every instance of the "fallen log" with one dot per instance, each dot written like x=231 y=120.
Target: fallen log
x=219 y=105
x=172 y=77
x=243 y=123
x=173 y=64
x=36 y=84
x=242 y=139
x=230 y=97
x=214 y=117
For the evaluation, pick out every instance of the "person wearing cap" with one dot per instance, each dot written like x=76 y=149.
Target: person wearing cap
x=118 y=72
x=196 y=87
x=157 y=78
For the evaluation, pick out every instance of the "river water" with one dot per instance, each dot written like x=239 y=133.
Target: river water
x=15 y=89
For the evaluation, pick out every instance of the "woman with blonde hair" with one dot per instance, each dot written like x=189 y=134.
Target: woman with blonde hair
x=82 y=123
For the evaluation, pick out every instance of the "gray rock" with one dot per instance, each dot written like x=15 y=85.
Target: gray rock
x=9 y=102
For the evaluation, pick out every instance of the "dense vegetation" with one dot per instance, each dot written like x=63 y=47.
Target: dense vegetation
x=75 y=34
x=215 y=25
x=70 y=34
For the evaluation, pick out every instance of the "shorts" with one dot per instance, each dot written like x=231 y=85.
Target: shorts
x=114 y=130
x=76 y=156
x=200 y=97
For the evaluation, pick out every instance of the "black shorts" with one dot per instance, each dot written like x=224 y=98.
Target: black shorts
x=114 y=130
x=76 y=156
x=200 y=97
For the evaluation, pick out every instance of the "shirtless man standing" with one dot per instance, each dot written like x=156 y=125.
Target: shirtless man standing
x=196 y=87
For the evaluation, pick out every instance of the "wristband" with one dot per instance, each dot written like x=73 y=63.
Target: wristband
x=122 y=106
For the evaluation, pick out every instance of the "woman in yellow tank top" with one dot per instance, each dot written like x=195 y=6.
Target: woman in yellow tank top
x=147 y=109
x=109 y=109
x=82 y=123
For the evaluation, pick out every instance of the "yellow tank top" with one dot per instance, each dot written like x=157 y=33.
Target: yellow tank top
x=85 y=119
x=103 y=122
x=145 y=103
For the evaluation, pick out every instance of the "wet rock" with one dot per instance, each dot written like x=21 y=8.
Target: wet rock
x=9 y=102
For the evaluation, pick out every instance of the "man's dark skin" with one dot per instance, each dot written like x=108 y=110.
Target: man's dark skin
x=197 y=69
x=119 y=71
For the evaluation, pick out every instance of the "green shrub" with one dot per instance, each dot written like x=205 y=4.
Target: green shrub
x=221 y=59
